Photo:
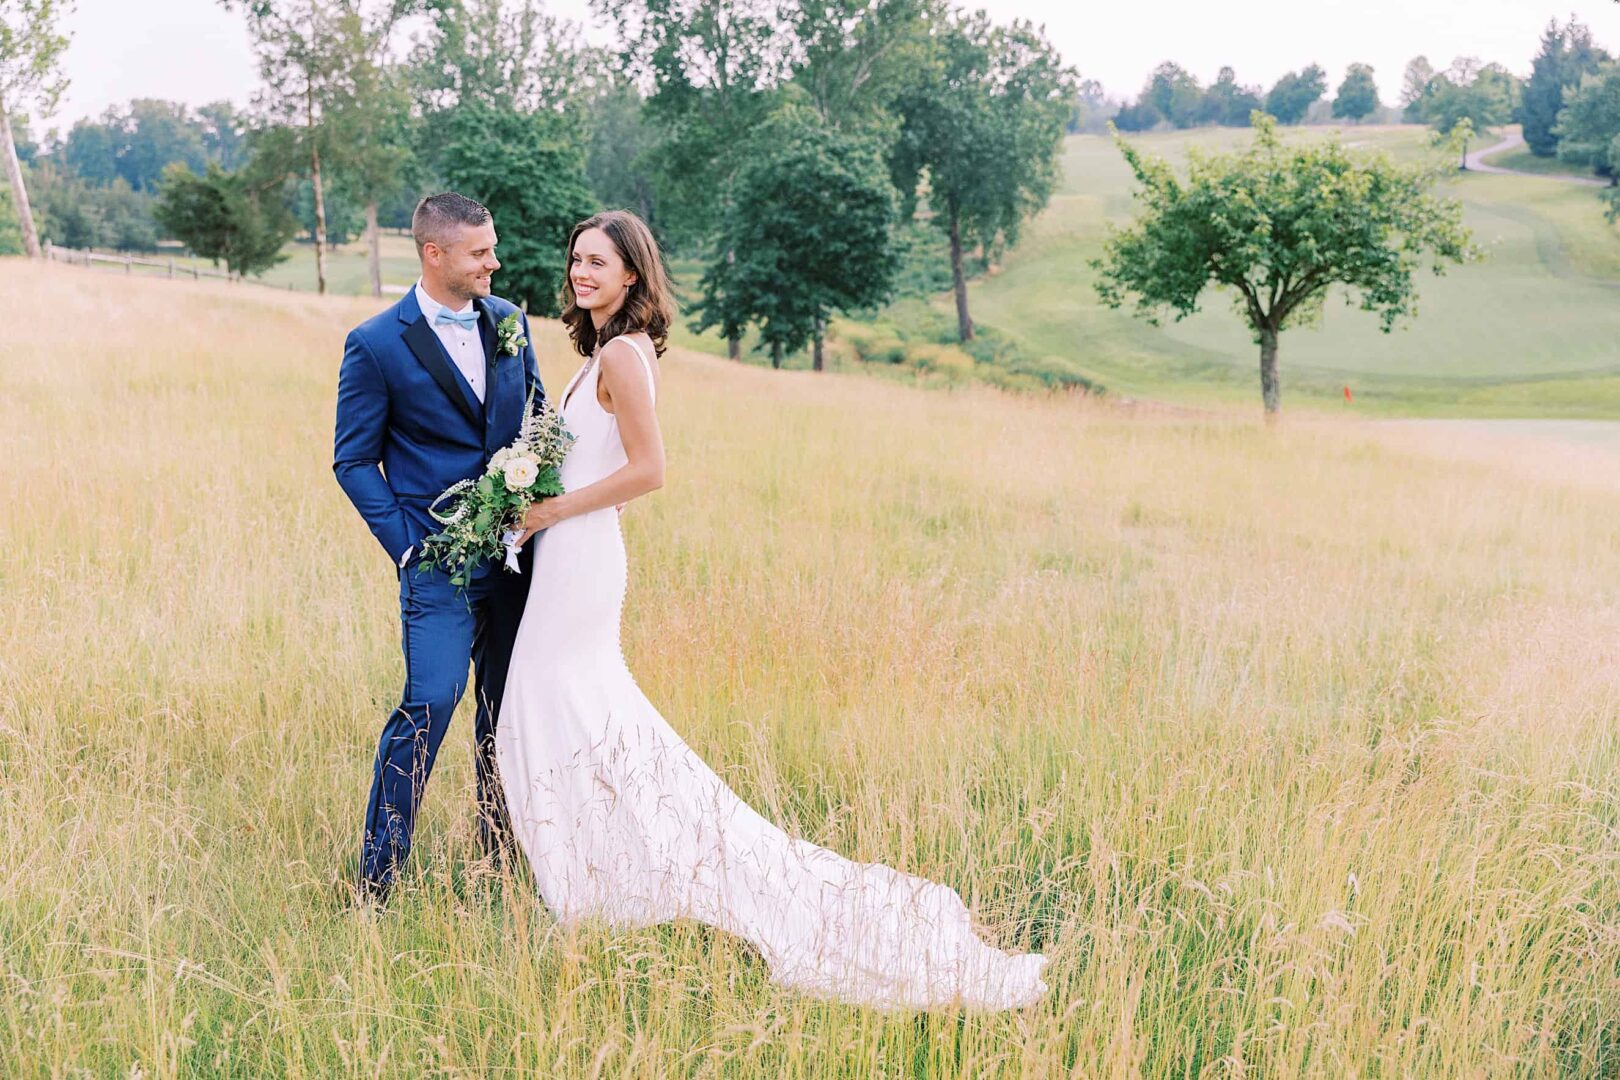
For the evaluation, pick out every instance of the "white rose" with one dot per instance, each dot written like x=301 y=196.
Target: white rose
x=498 y=461
x=520 y=472
x=520 y=447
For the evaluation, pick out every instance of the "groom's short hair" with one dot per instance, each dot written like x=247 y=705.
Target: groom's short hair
x=437 y=215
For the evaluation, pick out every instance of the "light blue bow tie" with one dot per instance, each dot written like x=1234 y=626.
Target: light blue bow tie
x=466 y=319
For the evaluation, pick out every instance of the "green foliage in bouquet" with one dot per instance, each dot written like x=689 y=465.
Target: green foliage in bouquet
x=486 y=512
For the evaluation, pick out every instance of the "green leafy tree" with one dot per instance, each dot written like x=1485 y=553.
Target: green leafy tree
x=530 y=174
x=31 y=50
x=622 y=143
x=812 y=235
x=1590 y=122
x=715 y=68
x=1567 y=55
x=1138 y=116
x=854 y=57
x=1176 y=95
x=313 y=55
x=1295 y=93
x=226 y=217
x=1480 y=96
x=224 y=134
x=1279 y=225
x=1415 y=88
x=1229 y=104
x=985 y=124
x=1357 y=98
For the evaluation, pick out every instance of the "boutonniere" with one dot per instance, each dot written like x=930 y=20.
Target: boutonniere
x=509 y=339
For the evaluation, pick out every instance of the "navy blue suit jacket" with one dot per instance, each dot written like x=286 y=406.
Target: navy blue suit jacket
x=402 y=405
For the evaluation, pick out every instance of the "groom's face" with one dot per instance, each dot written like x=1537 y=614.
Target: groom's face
x=465 y=262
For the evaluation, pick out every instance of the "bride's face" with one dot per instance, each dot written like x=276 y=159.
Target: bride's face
x=597 y=273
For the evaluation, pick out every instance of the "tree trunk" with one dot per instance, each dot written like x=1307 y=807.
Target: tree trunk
x=19 y=192
x=776 y=355
x=372 y=235
x=964 y=324
x=1270 y=390
x=734 y=341
x=315 y=182
x=821 y=337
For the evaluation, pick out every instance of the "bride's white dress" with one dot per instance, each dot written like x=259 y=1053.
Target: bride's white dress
x=622 y=821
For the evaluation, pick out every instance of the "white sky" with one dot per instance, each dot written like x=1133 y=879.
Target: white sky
x=195 y=51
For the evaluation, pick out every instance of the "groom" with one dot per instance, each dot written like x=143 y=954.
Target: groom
x=426 y=393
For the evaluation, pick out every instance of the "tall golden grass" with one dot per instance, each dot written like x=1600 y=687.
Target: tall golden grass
x=1296 y=750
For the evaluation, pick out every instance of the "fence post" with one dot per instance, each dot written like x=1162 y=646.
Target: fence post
x=129 y=264
x=171 y=268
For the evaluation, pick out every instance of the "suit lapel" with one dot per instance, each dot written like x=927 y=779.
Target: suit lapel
x=424 y=343
x=488 y=335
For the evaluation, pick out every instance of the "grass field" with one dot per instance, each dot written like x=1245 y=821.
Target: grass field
x=1296 y=749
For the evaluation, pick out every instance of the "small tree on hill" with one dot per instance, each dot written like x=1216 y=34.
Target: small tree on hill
x=1358 y=94
x=812 y=235
x=1469 y=98
x=30 y=50
x=532 y=178
x=225 y=217
x=1279 y=225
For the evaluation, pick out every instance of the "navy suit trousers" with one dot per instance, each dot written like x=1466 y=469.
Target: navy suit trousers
x=442 y=630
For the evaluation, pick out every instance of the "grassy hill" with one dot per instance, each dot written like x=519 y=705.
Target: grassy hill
x=1533 y=330
x=1295 y=749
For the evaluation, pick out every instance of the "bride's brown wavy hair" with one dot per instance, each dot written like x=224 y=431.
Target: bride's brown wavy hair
x=649 y=305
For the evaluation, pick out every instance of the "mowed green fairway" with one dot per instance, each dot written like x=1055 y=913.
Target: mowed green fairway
x=1532 y=330
x=1295 y=749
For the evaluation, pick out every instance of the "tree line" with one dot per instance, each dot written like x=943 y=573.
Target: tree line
x=1174 y=97
x=778 y=148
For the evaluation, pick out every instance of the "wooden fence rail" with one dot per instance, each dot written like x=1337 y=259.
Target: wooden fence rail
x=76 y=257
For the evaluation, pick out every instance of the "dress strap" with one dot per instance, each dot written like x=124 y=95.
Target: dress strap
x=646 y=365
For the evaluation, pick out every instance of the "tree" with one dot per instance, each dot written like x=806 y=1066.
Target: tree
x=1415 y=87
x=854 y=57
x=1294 y=94
x=30 y=52
x=531 y=176
x=1279 y=225
x=616 y=159
x=1358 y=94
x=1140 y=116
x=1590 y=122
x=1481 y=96
x=813 y=234
x=1567 y=55
x=1175 y=94
x=985 y=123
x=1227 y=103
x=225 y=217
x=715 y=68
x=312 y=58
x=1093 y=109
x=224 y=134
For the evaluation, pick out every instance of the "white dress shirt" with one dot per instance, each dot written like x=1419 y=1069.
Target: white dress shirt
x=462 y=343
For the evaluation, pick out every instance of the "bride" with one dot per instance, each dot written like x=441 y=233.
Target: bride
x=621 y=820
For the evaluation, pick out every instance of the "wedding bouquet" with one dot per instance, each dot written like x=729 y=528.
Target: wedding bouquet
x=486 y=514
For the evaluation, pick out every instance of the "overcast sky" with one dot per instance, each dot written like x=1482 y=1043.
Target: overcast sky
x=194 y=51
